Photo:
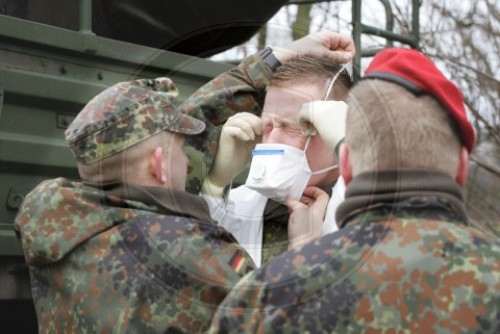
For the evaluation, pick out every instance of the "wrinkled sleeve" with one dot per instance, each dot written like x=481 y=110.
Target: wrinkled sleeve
x=241 y=311
x=240 y=89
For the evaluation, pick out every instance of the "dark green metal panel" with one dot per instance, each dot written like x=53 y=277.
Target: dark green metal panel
x=47 y=74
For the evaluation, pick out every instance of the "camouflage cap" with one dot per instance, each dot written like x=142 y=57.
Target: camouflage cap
x=126 y=114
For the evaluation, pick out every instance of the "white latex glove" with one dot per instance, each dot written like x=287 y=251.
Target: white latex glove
x=326 y=118
x=237 y=140
x=306 y=217
x=327 y=43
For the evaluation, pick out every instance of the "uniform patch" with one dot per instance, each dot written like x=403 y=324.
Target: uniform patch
x=237 y=261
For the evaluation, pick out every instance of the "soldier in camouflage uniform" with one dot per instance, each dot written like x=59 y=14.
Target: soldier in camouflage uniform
x=405 y=259
x=127 y=250
x=243 y=89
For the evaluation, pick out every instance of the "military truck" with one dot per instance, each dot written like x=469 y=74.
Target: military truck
x=55 y=57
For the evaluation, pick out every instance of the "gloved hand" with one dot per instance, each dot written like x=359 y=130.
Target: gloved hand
x=326 y=118
x=237 y=140
x=326 y=43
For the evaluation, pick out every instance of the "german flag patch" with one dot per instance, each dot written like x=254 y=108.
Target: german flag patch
x=237 y=261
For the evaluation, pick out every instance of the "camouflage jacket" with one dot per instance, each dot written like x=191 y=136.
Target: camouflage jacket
x=101 y=262
x=404 y=261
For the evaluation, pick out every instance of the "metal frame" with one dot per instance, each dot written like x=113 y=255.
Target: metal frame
x=359 y=28
x=85 y=15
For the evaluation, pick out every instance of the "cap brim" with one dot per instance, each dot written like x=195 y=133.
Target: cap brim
x=187 y=125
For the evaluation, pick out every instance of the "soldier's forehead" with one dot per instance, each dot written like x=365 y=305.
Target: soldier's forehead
x=280 y=117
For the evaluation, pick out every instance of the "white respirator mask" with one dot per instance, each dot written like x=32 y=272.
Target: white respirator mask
x=279 y=170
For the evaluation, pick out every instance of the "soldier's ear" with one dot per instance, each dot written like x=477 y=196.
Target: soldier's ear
x=462 y=169
x=344 y=165
x=157 y=165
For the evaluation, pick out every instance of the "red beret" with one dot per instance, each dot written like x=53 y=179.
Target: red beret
x=417 y=73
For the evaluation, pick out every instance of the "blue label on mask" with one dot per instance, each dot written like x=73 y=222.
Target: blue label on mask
x=268 y=152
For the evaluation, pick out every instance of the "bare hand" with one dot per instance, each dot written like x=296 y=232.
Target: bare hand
x=306 y=217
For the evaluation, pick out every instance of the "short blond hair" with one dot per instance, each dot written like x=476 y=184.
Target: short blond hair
x=318 y=70
x=389 y=128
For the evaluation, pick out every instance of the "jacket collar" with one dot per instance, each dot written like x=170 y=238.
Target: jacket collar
x=397 y=190
x=167 y=201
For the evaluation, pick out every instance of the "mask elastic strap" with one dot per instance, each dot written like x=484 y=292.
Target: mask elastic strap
x=324 y=170
x=334 y=78
x=307 y=142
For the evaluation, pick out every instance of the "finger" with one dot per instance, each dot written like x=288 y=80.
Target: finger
x=306 y=200
x=341 y=56
x=317 y=194
x=293 y=204
x=305 y=120
x=255 y=123
x=250 y=123
x=305 y=111
x=307 y=128
x=341 y=42
x=239 y=129
x=314 y=192
x=335 y=41
x=238 y=133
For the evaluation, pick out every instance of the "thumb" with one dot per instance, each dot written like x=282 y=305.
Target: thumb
x=238 y=133
x=342 y=56
x=293 y=204
x=320 y=197
x=305 y=120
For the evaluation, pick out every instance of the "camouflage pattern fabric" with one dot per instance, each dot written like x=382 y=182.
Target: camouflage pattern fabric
x=410 y=266
x=240 y=89
x=275 y=230
x=101 y=263
x=124 y=115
